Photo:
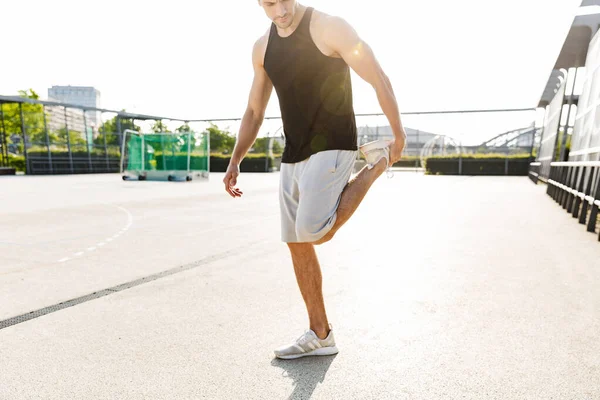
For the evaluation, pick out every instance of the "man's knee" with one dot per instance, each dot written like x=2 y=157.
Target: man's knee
x=328 y=236
x=308 y=232
x=298 y=247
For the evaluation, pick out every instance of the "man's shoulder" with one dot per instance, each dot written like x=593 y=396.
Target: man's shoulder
x=260 y=46
x=327 y=23
x=263 y=39
x=327 y=20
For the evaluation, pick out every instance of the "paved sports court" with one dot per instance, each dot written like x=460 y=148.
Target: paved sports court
x=437 y=288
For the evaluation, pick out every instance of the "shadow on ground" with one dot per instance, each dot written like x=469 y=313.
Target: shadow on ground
x=306 y=373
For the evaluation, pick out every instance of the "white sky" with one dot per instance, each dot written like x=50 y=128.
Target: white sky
x=191 y=59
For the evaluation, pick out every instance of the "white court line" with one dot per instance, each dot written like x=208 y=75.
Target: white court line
x=110 y=239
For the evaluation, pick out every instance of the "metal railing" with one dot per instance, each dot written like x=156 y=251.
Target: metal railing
x=534 y=172
x=575 y=186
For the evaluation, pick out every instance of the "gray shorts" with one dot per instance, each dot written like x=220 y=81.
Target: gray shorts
x=310 y=192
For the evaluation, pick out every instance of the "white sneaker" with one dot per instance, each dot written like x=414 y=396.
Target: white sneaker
x=375 y=151
x=308 y=344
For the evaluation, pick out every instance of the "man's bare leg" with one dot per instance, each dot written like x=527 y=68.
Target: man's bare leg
x=304 y=257
x=352 y=196
x=310 y=281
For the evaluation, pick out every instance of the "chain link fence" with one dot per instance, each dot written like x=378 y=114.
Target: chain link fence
x=51 y=138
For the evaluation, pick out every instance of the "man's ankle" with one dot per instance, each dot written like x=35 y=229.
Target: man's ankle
x=321 y=332
x=381 y=165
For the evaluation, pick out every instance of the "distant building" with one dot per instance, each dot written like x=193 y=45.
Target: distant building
x=78 y=95
x=415 y=139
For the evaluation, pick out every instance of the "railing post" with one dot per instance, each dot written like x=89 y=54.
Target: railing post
x=556 y=179
x=572 y=185
x=559 y=179
x=588 y=191
x=550 y=188
x=563 y=180
x=566 y=194
x=580 y=189
x=594 y=213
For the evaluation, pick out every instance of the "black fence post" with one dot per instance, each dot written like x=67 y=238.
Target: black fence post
x=87 y=142
x=47 y=141
x=3 y=140
x=105 y=150
x=120 y=137
x=24 y=132
x=69 y=143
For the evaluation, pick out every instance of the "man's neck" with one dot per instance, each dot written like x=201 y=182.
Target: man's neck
x=297 y=18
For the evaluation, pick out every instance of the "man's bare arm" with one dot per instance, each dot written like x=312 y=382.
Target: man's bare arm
x=252 y=119
x=343 y=39
x=257 y=103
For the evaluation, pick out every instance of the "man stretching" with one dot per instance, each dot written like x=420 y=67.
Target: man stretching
x=307 y=55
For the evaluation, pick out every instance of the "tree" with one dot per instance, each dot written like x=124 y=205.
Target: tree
x=261 y=145
x=160 y=127
x=277 y=149
x=110 y=129
x=183 y=128
x=33 y=116
x=220 y=141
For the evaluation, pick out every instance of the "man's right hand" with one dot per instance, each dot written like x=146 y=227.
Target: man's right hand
x=230 y=180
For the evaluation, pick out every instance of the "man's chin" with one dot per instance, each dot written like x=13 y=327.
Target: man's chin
x=285 y=25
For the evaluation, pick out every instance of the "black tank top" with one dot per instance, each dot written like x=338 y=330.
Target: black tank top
x=315 y=94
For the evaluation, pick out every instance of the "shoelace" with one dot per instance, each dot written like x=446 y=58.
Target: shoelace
x=303 y=338
x=388 y=171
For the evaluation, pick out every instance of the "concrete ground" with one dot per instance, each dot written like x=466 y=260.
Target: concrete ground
x=438 y=288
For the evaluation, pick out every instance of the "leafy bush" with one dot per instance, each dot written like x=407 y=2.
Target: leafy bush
x=251 y=163
x=479 y=164
x=17 y=162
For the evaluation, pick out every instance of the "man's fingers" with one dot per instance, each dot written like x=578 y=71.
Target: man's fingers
x=233 y=191
x=230 y=181
x=226 y=183
x=228 y=186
